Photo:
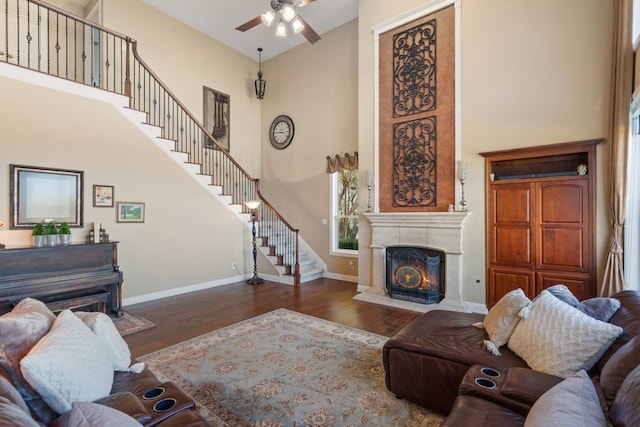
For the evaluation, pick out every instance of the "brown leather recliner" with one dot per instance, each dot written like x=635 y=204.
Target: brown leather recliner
x=427 y=361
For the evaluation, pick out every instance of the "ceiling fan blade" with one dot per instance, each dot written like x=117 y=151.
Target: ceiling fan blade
x=308 y=32
x=305 y=2
x=249 y=24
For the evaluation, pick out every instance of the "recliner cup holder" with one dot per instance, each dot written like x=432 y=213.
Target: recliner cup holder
x=165 y=405
x=491 y=372
x=485 y=383
x=153 y=393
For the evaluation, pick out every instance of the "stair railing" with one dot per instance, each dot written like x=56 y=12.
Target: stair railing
x=44 y=38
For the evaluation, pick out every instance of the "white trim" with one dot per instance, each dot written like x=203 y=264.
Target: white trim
x=178 y=291
x=344 y=277
x=411 y=15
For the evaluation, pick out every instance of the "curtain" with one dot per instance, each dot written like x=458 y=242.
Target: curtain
x=341 y=164
x=621 y=90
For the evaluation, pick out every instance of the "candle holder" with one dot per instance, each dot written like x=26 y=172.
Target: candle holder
x=462 y=177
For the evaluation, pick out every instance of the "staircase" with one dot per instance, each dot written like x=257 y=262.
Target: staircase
x=126 y=81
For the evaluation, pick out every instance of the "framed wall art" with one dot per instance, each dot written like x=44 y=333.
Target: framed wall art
x=216 y=117
x=103 y=196
x=40 y=194
x=130 y=212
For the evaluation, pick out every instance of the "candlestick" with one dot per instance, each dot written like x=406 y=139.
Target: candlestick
x=462 y=177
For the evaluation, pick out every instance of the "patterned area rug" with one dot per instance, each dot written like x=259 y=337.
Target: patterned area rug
x=128 y=324
x=287 y=369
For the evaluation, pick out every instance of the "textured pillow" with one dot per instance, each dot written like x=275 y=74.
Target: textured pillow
x=87 y=414
x=12 y=415
x=9 y=392
x=559 y=340
x=504 y=316
x=68 y=364
x=573 y=402
x=20 y=330
x=598 y=308
x=107 y=333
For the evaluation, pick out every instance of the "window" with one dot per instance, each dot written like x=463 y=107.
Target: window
x=344 y=212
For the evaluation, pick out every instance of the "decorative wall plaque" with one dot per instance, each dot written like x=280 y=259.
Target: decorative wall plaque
x=414 y=159
x=414 y=64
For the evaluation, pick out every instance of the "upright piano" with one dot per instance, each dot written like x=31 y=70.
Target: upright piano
x=75 y=276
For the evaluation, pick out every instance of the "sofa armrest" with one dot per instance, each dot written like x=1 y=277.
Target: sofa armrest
x=128 y=403
x=526 y=385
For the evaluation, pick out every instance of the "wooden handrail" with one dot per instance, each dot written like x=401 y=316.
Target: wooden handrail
x=191 y=116
x=113 y=78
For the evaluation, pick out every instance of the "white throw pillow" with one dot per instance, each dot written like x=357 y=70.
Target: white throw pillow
x=115 y=346
x=68 y=364
x=558 y=339
x=503 y=317
x=573 y=402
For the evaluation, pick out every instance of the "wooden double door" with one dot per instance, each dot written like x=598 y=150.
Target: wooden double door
x=539 y=236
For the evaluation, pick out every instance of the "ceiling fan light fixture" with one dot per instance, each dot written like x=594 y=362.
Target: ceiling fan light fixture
x=267 y=18
x=288 y=13
x=297 y=25
x=281 y=30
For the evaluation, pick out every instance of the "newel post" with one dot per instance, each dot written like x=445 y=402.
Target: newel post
x=127 y=76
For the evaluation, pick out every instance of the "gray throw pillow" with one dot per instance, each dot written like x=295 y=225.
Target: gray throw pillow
x=12 y=415
x=599 y=308
x=573 y=402
x=87 y=414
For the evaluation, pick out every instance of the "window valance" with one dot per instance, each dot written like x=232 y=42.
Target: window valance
x=340 y=164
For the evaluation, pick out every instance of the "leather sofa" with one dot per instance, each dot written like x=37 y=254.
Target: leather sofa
x=74 y=369
x=436 y=361
x=142 y=396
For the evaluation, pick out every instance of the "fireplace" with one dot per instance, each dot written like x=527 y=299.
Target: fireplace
x=415 y=274
x=437 y=231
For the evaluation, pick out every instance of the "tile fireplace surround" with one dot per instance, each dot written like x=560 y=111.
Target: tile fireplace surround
x=434 y=230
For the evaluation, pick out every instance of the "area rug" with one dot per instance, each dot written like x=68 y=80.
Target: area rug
x=287 y=369
x=128 y=324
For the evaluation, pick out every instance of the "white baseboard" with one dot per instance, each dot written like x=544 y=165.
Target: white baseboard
x=344 y=277
x=178 y=291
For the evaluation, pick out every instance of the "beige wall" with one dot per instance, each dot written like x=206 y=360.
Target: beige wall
x=180 y=244
x=317 y=86
x=532 y=73
x=185 y=60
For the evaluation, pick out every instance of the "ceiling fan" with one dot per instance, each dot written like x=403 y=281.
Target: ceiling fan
x=285 y=10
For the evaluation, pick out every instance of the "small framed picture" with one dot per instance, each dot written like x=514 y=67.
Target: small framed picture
x=103 y=196
x=130 y=212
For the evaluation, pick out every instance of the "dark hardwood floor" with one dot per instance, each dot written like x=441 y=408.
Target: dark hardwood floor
x=185 y=316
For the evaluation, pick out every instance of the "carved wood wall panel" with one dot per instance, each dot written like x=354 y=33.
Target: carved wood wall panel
x=417 y=115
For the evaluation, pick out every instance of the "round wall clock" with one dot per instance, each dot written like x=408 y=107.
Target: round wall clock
x=281 y=132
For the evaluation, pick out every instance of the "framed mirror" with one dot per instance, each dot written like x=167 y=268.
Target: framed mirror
x=45 y=194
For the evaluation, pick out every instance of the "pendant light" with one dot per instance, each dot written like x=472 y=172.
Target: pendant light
x=260 y=84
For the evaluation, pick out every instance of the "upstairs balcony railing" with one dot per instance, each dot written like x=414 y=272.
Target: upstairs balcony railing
x=43 y=38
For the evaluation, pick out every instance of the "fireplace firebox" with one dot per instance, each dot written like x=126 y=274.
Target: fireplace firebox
x=415 y=274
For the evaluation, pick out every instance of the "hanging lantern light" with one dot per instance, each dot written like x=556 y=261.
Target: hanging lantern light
x=260 y=84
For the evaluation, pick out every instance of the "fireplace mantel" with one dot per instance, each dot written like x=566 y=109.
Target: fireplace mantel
x=436 y=230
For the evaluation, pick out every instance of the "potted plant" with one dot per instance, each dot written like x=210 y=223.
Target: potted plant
x=38 y=234
x=65 y=233
x=51 y=231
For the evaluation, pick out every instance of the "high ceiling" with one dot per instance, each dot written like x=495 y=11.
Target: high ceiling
x=219 y=18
